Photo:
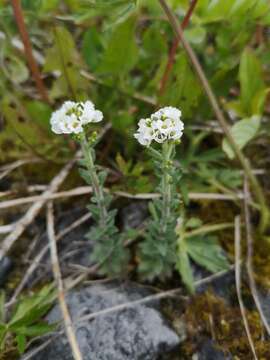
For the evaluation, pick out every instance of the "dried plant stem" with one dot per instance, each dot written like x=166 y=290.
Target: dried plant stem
x=249 y=262
x=60 y=286
x=258 y=193
x=34 y=210
x=18 y=14
x=237 y=245
x=82 y=190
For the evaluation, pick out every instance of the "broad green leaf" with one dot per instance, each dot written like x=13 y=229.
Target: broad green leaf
x=92 y=47
x=154 y=43
x=257 y=105
x=183 y=89
x=33 y=307
x=122 y=51
x=195 y=35
x=251 y=79
x=243 y=131
x=63 y=51
x=21 y=343
x=16 y=69
x=183 y=265
x=206 y=252
x=35 y=330
x=39 y=112
x=217 y=10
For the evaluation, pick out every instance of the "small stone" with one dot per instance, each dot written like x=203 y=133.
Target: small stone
x=131 y=333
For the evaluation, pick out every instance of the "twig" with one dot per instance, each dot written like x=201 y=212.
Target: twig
x=249 y=262
x=34 y=210
x=219 y=115
x=237 y=248
x=82 y=190
x=174 y=47
x=38 y=258
x=18 y=14
x=31 y=188
x=7 y=169
x=5 y=229
x=60 y=286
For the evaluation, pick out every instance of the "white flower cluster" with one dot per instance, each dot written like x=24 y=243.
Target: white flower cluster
x=72 y=116
x=165 y=124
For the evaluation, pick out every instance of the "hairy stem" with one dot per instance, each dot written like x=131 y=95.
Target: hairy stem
x=167 y=150
x=258 y=193
x=98 y=191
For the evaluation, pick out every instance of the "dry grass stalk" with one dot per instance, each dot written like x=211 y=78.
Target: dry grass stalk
x=60 y=286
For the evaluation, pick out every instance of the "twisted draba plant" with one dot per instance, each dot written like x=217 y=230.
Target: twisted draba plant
x=159 y=248
x=76 y=119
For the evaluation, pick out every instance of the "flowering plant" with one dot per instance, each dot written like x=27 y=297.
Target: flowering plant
x=74 y=118
x=165 y=244
x=158 y=250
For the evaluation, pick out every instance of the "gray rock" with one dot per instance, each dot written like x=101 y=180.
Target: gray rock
x=5 y=268
x=131 y=333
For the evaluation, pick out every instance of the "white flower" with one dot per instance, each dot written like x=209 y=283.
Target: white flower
x=89 y=114
x=164 y=124
x=145 y=132
x=72 y=116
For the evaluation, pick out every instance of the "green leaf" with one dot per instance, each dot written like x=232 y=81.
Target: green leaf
x=32 y=308
x=3 y=332
x=21 y=343
x=195 y=35
x=193 y=223
x=206 y=252
x=16 y=69
x=183 y=265
x=36 y=330
x=122 y=51
x=62 y=52
x=39 y=112
x=123 y=165
x=251 y=79
x=243 y=131
x=183 y=89
x=257 y=105
x=92 y=48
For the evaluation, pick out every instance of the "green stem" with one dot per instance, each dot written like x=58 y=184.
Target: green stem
x=167 y=151
x=98 y=191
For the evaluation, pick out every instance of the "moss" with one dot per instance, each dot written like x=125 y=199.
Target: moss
x=208 y=316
